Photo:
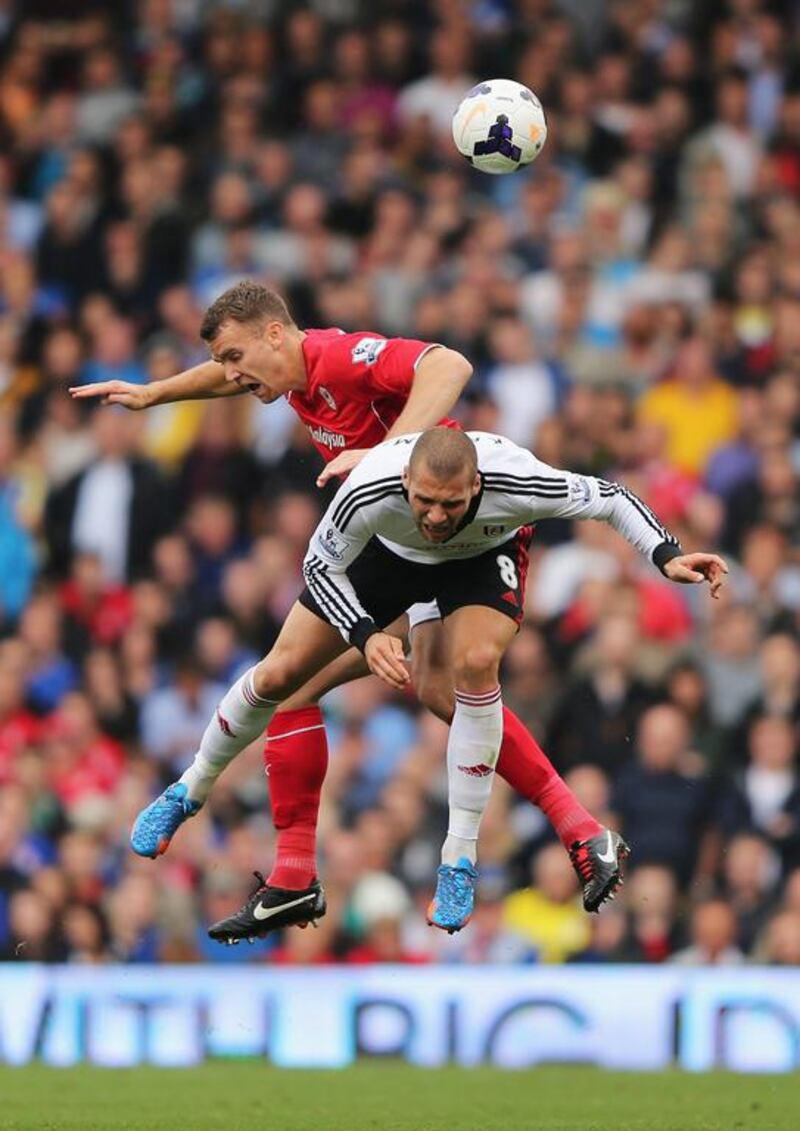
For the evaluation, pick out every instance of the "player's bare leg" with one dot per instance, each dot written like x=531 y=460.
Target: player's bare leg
x=344 y=669
x=476 y=638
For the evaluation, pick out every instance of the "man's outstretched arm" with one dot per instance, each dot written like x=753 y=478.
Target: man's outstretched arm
x=201 y=382
x=540 y=491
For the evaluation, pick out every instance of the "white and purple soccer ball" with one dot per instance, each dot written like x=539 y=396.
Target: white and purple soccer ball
x=499 y=126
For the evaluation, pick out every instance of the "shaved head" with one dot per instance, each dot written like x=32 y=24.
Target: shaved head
x=446 y=453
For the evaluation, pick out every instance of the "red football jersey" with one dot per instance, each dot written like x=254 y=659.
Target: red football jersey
x=358 y=385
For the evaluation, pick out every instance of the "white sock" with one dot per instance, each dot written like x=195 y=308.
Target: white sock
x=239 y=719
x=473 y=748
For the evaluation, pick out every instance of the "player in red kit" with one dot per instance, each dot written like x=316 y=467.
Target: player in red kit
x=357 y=387
x=352 y=391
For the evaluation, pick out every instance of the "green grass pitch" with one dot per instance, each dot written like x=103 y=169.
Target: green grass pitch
x=391 y=1097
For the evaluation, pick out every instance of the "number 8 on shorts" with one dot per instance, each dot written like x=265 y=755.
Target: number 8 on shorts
x=508 y=571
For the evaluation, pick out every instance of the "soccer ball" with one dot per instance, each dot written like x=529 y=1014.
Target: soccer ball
x=499 y=126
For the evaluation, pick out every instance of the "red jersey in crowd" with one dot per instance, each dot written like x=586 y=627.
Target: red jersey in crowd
x=80 y=766
x=105 y=616
x=19 y=731
x=358 y=385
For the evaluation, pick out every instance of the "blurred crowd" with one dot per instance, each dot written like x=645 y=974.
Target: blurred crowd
x=631 y=304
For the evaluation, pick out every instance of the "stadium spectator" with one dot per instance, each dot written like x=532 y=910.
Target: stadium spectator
x=433 y=98
x=377 y=908
x=765 y=796
x=693 y=391
x=17 y=553
x=116 y=508
x=174 y=717
x=522 y=386
x=652 y=902
x=113 y=354
x=49 y=673
x=664 y=803
x=547 y=914
x=32 y=929
x=712 y=937
x=600 y=711
x=751 y=872
x=780 y=945
x=729 y=662
x=780 y=682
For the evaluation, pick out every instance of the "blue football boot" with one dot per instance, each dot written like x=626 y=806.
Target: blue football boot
x=156 y=825
x=451 y=907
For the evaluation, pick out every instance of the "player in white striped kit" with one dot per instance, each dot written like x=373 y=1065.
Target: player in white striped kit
x=442 y=515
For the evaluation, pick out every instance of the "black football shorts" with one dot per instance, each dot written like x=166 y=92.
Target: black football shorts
x=387 y=585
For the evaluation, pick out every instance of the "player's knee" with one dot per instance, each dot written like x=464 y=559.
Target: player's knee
x=437 y=695
x=477 y=664
x=276 y=677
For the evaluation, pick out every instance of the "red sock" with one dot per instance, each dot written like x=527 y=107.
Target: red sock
x=296 y=759
x=529 y=771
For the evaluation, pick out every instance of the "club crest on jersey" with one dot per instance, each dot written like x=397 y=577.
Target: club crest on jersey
x=333 y=544
x=327 y=397
x=493 y=530
x=367 y=350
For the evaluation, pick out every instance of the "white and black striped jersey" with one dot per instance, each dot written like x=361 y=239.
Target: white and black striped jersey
x=516 y=489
